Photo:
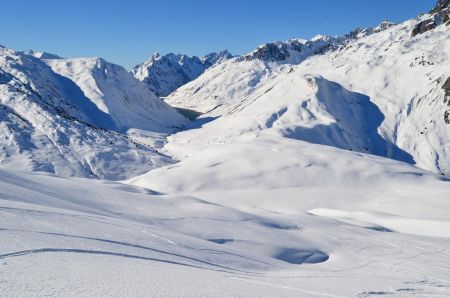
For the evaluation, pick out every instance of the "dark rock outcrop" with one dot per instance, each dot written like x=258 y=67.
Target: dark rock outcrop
x=446 y=87
x=441 y=5
x=270 y=52
x=424 y=26
x=441 y=15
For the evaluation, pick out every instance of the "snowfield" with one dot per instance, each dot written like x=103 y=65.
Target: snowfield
x=385 y=231
x=318 y=168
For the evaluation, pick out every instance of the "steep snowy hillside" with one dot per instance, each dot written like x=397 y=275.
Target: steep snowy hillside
x=122 y=101
x=396 y=78
x=164 y=74
x=48 y=124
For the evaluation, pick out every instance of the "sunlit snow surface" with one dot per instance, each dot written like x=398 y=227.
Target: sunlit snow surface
x=279 y=197
x=317 y=221
x=395 y=78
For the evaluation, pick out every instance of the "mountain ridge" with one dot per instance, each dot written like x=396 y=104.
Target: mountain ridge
x=164 y=74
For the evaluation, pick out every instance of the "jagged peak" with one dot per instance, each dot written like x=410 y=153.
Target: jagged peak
x=278 y=51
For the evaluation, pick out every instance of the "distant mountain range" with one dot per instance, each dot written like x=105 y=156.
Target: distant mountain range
x=379 y=90
x=164 y=74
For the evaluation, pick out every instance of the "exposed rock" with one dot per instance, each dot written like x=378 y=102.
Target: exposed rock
x=424 y=26
x=441 y=15
x=446 y=87
x=270 y=52
x=215 y=58
x=447 y=117
x=297 y=50
x=441 y=5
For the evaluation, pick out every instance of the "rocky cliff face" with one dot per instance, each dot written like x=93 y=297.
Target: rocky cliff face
x=446 y=87
x=441 y=5
x=440 y=16
x=296 y=50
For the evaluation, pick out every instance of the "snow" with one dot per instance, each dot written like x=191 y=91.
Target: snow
x=49 y=124
x=348 y=225
x=41 y=54
x=164 y=74
x=117 y=94
x=397 y=76
x=304 y=177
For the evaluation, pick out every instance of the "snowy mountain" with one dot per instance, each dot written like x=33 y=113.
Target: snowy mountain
x=118 y=101
x=394 y=79
x=41 y=55
x=49 y=123
x=306 y=176
x=164 y=74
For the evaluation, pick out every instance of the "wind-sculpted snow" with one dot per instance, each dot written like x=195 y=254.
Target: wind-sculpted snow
x=257 y=219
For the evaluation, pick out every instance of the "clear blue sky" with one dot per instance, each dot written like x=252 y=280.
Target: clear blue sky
x=127 y=32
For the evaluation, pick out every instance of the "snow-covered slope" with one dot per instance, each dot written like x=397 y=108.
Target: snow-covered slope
x=48 y=123
x=225 y=84
x=164 y=74
x=277 y=192
x=268 y=218
x=120 y=98
x=397 y=77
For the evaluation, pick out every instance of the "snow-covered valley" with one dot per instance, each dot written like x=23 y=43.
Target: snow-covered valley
x=318 y=168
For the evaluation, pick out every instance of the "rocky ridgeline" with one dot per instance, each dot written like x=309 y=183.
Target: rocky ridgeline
x=295 y=50
x=441 y=16
x=283 y=51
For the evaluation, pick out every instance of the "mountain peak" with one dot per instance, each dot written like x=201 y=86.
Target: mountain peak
x=164 y=74
x=214 y=58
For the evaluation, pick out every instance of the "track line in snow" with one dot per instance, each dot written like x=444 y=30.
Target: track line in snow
x=133 y=246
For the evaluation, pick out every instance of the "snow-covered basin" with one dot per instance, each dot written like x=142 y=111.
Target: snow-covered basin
x=79 y=237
